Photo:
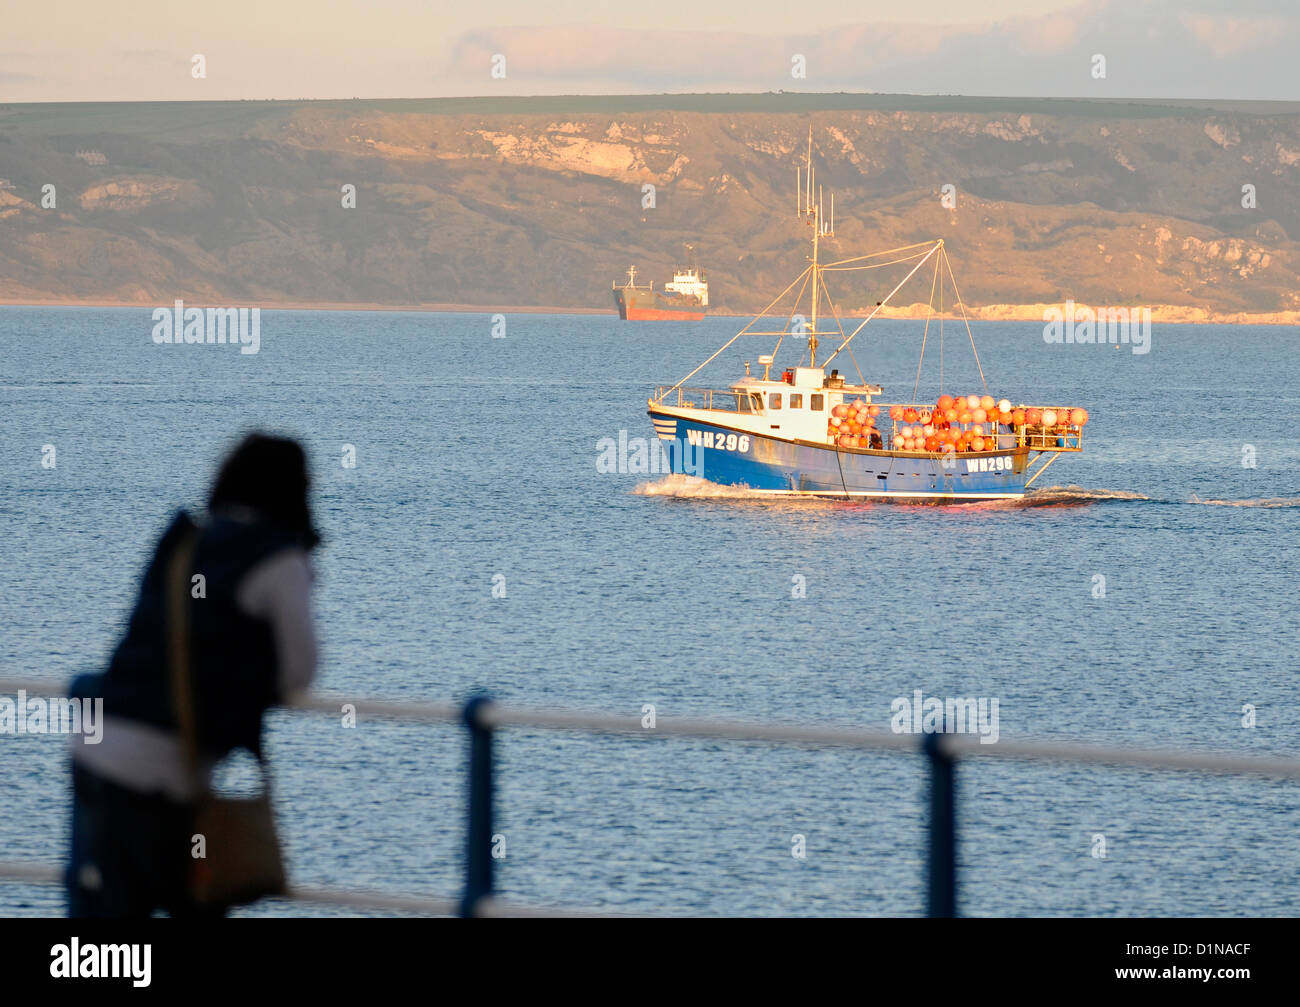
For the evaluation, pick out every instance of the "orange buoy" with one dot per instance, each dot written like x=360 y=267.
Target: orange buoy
x=1033 y=416
x=1078 y=417
x=945 y=402
x=987 y=402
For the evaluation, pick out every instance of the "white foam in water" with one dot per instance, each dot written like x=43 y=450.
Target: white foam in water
x=1263 y=502
x=695 y=488
x=1072 y=493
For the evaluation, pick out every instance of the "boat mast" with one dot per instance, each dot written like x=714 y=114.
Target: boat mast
x=812 y=211
x=816 y=283
x=810 y=206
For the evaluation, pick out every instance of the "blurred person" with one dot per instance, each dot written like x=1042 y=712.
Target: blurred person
x=243 y=578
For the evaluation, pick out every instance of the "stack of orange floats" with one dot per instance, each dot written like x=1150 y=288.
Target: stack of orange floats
x=961 y=424
x=852 y=423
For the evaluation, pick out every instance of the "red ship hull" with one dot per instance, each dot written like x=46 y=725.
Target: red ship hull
x=659 y=315
x=643 y=306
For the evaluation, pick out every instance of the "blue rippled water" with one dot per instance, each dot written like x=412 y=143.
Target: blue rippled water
x=476 y=457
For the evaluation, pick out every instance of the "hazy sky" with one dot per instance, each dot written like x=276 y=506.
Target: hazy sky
x=142 y=49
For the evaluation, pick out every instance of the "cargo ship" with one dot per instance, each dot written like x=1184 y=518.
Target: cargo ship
x=809 y=430
x=685 y=298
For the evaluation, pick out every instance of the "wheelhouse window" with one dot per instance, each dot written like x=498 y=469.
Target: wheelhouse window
x=796 y=400
x=817 y=402
x=774 y=400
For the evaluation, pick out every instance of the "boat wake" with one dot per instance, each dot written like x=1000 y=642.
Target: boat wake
x=1262 y=502
x=694 y=488
x=1050 y=496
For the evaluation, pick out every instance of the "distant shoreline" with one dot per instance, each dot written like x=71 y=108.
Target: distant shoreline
x=1167 y=314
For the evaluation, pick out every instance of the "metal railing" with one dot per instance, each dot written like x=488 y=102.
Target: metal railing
x=724 y=400
x=482 y=718
x=1062 y=437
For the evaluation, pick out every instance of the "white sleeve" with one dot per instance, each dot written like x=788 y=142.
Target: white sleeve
x=278 y=590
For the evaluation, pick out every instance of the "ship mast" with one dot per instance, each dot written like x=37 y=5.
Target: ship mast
x=812 y=210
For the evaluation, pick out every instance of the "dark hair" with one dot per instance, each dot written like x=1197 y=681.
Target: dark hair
x=268 y=475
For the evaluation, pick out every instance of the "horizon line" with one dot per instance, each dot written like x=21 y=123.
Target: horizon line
x=1133 y=99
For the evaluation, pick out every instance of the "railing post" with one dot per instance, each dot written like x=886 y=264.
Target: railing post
x=478 y=851
x=942 y=899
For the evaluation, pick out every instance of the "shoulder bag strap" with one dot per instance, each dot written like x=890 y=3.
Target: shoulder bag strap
x=177 y=593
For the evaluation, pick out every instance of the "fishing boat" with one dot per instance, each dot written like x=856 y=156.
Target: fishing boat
x=808 y=430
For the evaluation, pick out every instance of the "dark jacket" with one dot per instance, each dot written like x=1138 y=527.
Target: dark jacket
x=232 y=656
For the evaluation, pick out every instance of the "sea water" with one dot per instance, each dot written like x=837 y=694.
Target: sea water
x=1143 y=596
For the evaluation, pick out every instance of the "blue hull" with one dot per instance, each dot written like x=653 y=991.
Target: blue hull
x=733 y=457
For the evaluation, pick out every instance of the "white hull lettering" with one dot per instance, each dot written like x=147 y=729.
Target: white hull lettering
x=718 y=441
x=999 y=464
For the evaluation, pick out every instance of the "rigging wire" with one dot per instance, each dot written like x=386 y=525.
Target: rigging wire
x=876 y=255
x=835 y=313
x=741 y=332
x=786 y=328
x=916 y=385
x=934 y=247
x=962 y=304
x=878 y=265
x=811 y=274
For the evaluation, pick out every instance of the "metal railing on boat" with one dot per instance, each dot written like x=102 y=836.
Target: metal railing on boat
x=1035 y=438
x=702 y=398
x=482 y=718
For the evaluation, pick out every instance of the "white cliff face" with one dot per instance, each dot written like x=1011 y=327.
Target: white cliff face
x=134 y=193
x=560 y=150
